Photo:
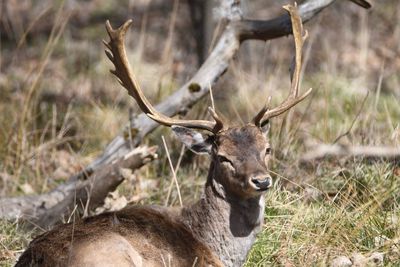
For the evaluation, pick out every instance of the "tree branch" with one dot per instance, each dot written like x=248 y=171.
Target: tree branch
x=77 y=193
x=213 y=68
x=337 y=151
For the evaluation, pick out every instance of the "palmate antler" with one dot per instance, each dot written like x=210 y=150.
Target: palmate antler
x=123 y=71
x=293 y=98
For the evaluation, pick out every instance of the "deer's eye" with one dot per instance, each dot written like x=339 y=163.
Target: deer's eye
x=224 y=159
x=268 y=151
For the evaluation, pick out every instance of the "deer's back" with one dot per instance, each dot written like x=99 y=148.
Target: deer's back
x=135 y=236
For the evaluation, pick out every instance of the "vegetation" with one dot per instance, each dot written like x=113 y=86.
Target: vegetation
x=61 y=107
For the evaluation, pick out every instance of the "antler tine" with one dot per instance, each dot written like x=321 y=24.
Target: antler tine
x=293 y=98
x=124 y=73
x=260 y=115
x=219 y=123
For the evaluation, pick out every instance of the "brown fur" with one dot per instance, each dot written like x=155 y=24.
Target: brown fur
x=146 y=229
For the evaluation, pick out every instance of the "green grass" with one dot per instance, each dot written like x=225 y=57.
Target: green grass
x=308 y=232
x=13 y=240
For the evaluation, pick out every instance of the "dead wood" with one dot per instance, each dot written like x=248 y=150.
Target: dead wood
x=79 y=194
x=338 y=151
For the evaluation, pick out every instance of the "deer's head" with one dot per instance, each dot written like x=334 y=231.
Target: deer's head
x=239 y=155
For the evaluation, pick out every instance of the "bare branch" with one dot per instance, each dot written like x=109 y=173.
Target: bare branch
x=281 y=26
x=347 y=132
x=209 y=73
x=337 y=151
x=47 y=209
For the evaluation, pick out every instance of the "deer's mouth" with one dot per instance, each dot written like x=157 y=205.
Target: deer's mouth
x=261 y=184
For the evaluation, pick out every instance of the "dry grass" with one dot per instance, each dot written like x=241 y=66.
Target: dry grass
x=63 y=107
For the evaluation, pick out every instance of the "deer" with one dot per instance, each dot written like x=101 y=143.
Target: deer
x=217 y=230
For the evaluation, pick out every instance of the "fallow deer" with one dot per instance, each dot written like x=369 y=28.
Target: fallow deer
x=218 y=230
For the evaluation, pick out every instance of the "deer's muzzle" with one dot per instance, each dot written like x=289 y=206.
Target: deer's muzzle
x=261 y=183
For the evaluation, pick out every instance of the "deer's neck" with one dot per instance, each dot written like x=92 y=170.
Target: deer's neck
x=227 y=225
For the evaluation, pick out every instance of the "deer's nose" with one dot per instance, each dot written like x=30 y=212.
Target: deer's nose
x=261 y=183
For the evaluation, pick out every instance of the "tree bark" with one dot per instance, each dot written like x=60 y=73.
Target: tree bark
x=337 y=151
x=80 y=193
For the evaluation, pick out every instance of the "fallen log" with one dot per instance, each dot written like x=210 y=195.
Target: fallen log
x=80 y=193
x=338 y=151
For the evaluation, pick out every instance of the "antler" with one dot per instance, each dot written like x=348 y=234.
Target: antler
x=124 y=73
x=293 y=97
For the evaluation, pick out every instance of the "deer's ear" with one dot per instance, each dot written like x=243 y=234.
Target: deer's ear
x=193 y=140
x=265 y=126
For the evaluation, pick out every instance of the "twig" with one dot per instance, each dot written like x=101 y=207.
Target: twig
x=379 y=86
x=178 y=164
x=212 y=97
x=173 y=171
x=354 y=120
